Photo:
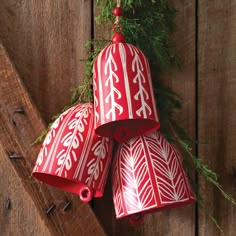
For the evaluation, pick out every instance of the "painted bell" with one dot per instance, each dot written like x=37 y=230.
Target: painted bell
x=73 y=158
x=123 y=92
x=148 y=176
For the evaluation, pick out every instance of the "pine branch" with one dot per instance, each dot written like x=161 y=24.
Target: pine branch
x=206 y=211
x=42 y=135
x=202 y=169
x=199 y=166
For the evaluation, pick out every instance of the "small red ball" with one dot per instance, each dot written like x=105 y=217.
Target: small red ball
x=118 y=38
x=118 y=11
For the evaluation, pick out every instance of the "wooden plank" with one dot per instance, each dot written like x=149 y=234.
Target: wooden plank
x=17 y=132
x=45 y=40
x=18 y=215
x=217 y=103
x=179 y=221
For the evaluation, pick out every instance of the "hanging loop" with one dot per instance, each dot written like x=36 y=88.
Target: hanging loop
x=117 y=28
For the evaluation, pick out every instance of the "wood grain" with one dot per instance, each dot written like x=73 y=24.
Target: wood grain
x=180 y=221
x=177 y=221
x=22 y=217
x=45 y=39
x=217 y=113
x=17 y=132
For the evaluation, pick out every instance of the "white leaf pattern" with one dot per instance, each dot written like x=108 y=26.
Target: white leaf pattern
x=168 y=172
x=114 y=95
x=95 y=166
x=142 y=94
x=147 y=174
x=122 y=88
x=73 y=151
x=47 y=141
x=116 y=188
x=73 y=139
x=123 y=57
x=137 y=185
x=185 y=179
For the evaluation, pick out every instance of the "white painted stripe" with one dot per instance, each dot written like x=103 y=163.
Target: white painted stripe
x=122 y=52
x=100 y=88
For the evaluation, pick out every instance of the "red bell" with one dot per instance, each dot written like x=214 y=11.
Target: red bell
x=147 y=176
x=123 y=94
x=73 y=158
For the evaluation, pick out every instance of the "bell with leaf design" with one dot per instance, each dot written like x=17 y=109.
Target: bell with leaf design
x=148 y=176
x=73 y=158
x=123 y=93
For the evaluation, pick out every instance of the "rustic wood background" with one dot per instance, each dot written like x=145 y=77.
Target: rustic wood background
x=45 y=41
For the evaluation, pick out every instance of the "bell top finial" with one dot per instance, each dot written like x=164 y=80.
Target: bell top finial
x=118 y=38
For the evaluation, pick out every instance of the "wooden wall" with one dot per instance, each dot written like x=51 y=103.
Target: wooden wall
x=45 y=40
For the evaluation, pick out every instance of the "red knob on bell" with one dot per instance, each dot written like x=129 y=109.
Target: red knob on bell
x=123 y=92
x=147 y=176
x=73 y=158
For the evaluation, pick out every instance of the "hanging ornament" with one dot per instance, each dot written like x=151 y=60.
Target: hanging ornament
x=73 y=158
x=123 y=93
x=148 y=176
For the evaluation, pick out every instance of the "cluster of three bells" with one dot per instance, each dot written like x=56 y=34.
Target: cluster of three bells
x=147 y=172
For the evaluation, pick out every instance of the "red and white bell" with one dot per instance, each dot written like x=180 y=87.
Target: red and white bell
x=148 y=176
x=123 y=93
x=73 y=158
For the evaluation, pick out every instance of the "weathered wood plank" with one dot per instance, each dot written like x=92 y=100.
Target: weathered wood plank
x=17 y=132
x=45 y=40
x=22 y=217
x=217 y=113
x=177 y=221
x=180 y=221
